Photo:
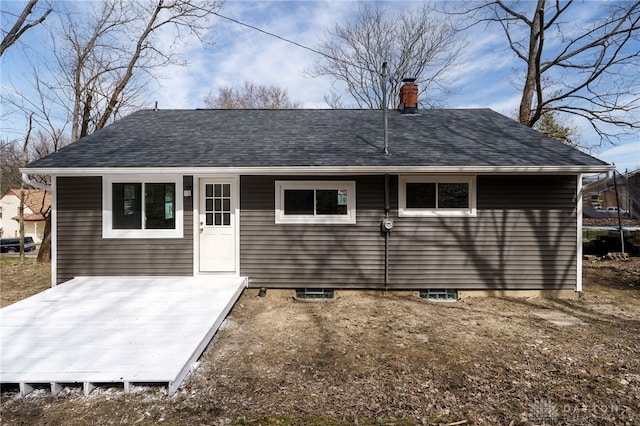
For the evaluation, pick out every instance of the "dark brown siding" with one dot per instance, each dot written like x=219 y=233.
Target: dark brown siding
x=524 y=237
x=287 y=255
x=83 y=252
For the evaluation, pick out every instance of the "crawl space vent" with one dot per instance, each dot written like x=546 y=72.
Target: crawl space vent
x=314 y=293
x=439 y=294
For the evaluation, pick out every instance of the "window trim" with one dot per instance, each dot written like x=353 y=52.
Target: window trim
x=470 y=211
x=282 y=185
x=107 y=207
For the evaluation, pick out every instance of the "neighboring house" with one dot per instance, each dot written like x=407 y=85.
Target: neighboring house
x=602 y=194
x=37 y=204
x=297 y=199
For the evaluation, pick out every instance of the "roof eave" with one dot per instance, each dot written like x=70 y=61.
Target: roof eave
x=315 y=170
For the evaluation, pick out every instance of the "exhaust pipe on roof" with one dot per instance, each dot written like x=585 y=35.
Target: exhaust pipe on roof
x=385 y=116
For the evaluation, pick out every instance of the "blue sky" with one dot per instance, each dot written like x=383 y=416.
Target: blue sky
x=484 y=78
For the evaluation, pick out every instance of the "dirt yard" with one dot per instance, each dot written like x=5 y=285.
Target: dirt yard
x=392 y=360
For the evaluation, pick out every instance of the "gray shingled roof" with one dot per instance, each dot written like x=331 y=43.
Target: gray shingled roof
x=259 y=138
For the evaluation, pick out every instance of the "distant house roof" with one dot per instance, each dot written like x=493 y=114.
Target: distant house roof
x=298 y=138
x=31 y=217
x=37 y=200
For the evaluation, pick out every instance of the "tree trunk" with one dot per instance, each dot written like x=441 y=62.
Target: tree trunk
x=86 y=116
x=23 y=186
x=128 y=74
x=21 y=216
x=525 y=115
x=44 y=254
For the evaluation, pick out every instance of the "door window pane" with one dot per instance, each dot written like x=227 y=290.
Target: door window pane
x=421 y=195
x=218 y=203
x=127 y=205
x=298 y=201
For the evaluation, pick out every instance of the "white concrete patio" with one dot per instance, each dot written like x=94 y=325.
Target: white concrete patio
x=128 y=330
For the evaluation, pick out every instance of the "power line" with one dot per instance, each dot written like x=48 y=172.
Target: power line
x=294 y=43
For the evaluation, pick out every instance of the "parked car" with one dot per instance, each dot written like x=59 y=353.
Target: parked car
x=615 y=210
x=12 y=245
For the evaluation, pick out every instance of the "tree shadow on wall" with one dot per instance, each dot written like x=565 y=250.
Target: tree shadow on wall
x=525 y=244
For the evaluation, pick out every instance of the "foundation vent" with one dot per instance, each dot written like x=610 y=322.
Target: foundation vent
x=314 y=293
x=439 y=294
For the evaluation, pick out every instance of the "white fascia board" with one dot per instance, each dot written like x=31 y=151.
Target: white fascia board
x=315 y=170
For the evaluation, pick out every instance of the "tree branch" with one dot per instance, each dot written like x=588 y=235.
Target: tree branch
x=19 y=28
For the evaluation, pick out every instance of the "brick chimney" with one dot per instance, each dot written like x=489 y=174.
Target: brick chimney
x=409 y=97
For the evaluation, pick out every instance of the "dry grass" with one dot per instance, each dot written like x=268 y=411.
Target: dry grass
x=20 y=280
x=388 y=360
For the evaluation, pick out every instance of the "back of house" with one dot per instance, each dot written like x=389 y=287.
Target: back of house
x=463 y=200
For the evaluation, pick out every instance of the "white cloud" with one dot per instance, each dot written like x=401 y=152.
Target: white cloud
x=625 y=157
x=243 y=54
x=484 y=78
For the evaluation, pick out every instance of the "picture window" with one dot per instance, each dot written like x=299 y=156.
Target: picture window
x=437 y=196
x=144 y=209
x=329 y=202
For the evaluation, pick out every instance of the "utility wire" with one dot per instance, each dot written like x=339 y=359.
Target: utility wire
x=294 y=43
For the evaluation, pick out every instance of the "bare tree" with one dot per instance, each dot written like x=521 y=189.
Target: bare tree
x=105 y=57
x=11 y=158
x=251 y=96
x=45 y=143
x=21 y=25
x=14 y=157
x=50 y=133
x=23 y=185
x=415 y=44
x=591 y=71
x=10 y=163
x=109 y=56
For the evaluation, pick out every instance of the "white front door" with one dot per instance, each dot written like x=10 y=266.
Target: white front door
x=217 y=226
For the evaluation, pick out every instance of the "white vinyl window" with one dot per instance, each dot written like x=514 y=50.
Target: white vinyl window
x=135 y=207
x=324 y=202
x=437 y=196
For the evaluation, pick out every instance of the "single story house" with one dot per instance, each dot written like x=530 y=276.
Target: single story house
x=463 y=199
x=37 y=203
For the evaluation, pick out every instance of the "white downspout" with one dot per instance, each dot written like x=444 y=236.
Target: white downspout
x=579 y=239
x=28 y=181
